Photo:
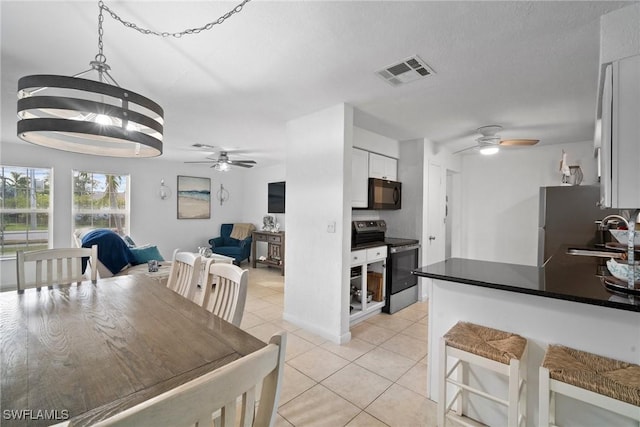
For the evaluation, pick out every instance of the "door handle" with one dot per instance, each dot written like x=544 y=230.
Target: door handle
x=432 y=237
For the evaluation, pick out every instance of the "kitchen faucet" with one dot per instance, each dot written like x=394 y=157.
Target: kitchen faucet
x=631 y=227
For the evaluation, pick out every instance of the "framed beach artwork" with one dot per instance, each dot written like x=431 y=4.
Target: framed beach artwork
x=194 y=197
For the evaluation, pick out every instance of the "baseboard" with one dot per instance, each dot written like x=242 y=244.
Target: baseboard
x=314 y=329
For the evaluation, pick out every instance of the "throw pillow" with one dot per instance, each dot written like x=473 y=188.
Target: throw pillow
x=129 y=241
x=145 y=254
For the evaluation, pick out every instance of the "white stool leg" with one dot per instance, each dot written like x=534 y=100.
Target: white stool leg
x=442 y=383
x=462 y=376
x=514 y=392
x=552 y=409
x=544 y=398
x=525 y=383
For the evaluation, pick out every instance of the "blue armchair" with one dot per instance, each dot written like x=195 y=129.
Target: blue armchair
x=239 y=249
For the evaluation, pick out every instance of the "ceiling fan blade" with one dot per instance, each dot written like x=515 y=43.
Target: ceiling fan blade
x=205 y=146
x=465 y=149
x=242 y=165
x=203 y=161
x=251 y=162
x=520 y=142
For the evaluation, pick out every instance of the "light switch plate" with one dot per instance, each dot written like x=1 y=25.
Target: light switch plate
x=331 y=227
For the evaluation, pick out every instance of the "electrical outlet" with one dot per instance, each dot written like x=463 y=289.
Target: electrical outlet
x=331 y=227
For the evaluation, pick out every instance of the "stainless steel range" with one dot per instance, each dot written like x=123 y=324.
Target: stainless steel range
x=402 y=258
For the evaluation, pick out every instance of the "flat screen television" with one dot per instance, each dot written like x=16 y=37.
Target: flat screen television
x=276 y=197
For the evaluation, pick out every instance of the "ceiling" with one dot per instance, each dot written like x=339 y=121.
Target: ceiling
x=528 y=66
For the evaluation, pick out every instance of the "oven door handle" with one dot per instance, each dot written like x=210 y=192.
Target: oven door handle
x=397 y=249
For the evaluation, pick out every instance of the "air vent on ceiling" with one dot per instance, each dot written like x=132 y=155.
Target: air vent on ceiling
x=410 y=69
x=207 y=146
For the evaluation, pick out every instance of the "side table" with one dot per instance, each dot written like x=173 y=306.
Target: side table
x=275 y=249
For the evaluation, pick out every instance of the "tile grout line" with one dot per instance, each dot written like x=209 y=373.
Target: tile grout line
x=419 y=321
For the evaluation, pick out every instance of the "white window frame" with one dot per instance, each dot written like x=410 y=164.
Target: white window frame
x=48 y=210
x=101 y=210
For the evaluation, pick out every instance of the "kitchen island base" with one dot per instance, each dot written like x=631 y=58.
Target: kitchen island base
x=599 y=330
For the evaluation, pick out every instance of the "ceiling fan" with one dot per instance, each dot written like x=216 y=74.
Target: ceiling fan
x=223 y=163
x=489 y=141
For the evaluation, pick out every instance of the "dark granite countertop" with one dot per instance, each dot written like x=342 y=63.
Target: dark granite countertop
x=567 y=277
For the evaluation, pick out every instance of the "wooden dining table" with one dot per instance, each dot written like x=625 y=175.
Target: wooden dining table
x=91 y=350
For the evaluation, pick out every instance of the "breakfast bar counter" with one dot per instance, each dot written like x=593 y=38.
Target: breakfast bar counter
x=563 y=302
x=564 y=276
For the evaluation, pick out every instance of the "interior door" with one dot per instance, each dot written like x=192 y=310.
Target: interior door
x=435 y=232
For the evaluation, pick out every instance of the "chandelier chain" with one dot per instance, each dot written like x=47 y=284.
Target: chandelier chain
x=177 y=35
x=100 y=56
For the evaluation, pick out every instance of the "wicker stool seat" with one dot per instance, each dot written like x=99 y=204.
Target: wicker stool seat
x=598 y=380
x=498 y=351
x=486 y=342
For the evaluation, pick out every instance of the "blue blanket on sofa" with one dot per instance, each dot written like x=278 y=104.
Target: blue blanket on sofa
x=112 y=250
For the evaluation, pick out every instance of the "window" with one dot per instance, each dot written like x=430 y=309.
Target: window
x=101 y=201
x=25 y=209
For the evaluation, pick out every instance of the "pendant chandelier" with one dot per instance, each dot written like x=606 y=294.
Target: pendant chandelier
x=95 y=117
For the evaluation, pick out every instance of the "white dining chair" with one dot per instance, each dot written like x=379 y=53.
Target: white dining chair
x=217 y=392
x=61 y=266
x=185 y=274
x=225 y=291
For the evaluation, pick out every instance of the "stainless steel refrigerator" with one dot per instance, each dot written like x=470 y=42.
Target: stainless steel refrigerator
x=568 y=215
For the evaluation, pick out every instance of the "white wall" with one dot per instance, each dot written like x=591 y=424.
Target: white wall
x=501 y=194
x=376 y=143
x=153 y=220
x=619 y=35
x=316 y=271
x=407 y=222
x=254 y=196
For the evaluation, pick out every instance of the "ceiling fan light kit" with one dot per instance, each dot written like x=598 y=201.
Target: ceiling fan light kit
x=223 y=163
x=94 y=117
x=489 y=141
x=489 y=150
x=221 y=167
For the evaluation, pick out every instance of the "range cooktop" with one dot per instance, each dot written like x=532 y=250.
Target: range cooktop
x=397 y=241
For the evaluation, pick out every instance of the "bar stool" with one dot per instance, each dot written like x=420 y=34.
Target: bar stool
x=498 y=351
x=597 y=380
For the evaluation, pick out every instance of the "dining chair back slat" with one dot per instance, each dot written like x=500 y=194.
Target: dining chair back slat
x=225 y=292
x=186 y=271
x=61 y=266
x=217 y=392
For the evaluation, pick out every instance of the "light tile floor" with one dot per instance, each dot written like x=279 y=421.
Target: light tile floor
x=378 y=379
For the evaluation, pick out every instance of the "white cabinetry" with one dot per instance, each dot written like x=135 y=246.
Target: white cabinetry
x=365 y=165
x=359 y=178
x=620 y=134
x=368 y=273
x=383 y=167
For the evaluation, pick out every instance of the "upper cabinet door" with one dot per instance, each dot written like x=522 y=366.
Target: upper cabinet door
x=620 y=150
x=359 y=178
x=625 y=132
x=383 y=167
x=604 y=154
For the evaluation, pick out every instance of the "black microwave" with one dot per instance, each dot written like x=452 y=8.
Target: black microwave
x=384 y=194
